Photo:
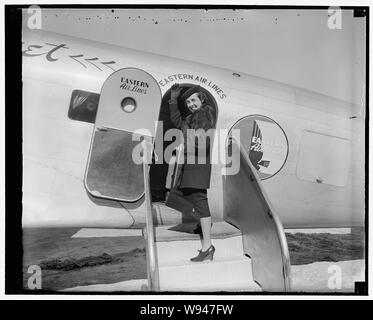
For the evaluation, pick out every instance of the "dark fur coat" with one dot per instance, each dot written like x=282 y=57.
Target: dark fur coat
x=195 y=175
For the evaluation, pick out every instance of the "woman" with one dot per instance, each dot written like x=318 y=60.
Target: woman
x=195 y=176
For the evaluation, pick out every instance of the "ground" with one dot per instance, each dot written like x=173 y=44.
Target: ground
x=68 y=262
x=308 y=248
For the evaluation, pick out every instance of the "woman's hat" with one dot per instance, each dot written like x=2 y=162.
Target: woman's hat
x=190 y=91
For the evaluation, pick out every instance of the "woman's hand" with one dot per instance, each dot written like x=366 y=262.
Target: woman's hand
x=175 y=91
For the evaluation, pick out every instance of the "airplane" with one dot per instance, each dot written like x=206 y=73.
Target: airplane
x=305 y=150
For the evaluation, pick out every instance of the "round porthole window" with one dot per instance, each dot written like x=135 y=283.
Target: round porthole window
x=128 y=105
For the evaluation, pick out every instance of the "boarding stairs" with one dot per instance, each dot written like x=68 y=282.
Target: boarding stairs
x=251 y=250
x=177 y=273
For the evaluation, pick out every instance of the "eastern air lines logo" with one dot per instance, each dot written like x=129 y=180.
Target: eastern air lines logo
x=265 y=142
x=268 y=146
x=134 y=85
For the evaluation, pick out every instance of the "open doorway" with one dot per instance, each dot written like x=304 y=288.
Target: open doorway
x=160 y=173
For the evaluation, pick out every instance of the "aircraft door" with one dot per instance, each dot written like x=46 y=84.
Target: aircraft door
x=129 y=105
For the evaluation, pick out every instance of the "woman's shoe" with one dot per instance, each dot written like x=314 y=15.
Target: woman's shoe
x=204 y=255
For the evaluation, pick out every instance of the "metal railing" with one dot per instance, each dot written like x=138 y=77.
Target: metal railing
x=178 y=165
x=247 y=206
x=151 y=253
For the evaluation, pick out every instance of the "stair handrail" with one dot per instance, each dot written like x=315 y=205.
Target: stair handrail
x=178 y=164
x=280 y=230
x=151 y=256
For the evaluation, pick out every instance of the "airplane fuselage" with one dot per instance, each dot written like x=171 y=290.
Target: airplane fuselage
x=310 y=147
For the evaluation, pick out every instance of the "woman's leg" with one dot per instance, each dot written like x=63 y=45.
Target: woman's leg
x=206 y=232
x=199 y=199
x=201 y=207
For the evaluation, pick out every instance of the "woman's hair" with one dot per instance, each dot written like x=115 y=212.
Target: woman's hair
x=202 y=96
x=204 y=118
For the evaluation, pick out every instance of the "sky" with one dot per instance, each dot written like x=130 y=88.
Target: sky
x=295 y=47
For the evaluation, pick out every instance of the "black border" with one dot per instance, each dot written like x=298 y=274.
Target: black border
x=13 y=150
x=13 y=136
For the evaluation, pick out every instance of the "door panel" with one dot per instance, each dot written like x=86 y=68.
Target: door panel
x=112 y=173
x=129 y=102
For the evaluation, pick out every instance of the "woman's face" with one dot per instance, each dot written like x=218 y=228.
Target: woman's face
x=193 y=102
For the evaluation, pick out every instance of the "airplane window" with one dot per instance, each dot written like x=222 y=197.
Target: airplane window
x=83 y=106
x=324 y=159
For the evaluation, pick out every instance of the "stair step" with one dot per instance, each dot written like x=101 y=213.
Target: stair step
x=212 y=276
x=242 y=286
x=174 y=251
x=219 y=230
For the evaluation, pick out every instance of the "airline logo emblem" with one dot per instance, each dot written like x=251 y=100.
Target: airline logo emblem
x=268 y=146
x=134 y=85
